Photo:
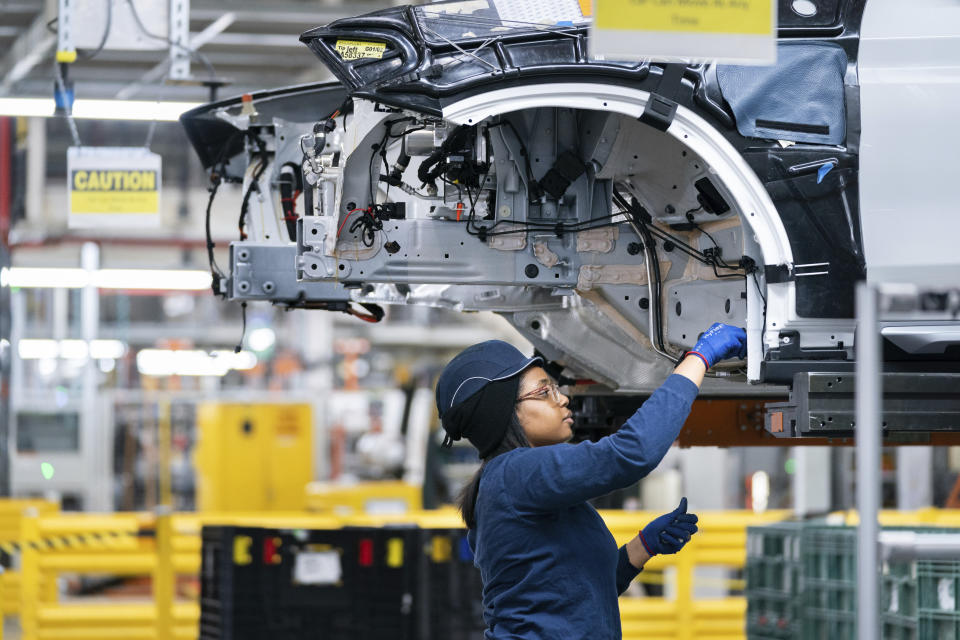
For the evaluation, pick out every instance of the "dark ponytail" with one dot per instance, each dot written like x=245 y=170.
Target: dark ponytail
x=514 y=438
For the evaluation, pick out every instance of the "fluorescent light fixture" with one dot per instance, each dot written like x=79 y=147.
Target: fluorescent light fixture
x=98 y=109
x=192 y=362
x=760 y=491
x=134 y=279
x=152 y=279
x=27 y=107
x=107 y=349
x=47 y=277
x=73 y=349
x=38 y=349
x=262 y=339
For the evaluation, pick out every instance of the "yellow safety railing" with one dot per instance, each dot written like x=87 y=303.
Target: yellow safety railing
x=11 y=513
x=165 y=545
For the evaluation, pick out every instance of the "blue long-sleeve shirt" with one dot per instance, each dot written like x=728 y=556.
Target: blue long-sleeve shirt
x=550 y=567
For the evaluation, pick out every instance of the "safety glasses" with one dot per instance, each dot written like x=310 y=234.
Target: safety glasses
x=547 y=392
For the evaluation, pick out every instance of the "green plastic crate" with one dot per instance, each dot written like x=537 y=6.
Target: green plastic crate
x=829 y=586
x=773 y=581
x=938 y=613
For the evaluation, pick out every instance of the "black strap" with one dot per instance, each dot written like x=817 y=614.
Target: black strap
x=662 y=106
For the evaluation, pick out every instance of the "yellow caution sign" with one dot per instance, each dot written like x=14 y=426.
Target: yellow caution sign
x=359 y=49
x=696 y=16
x=736 y=31
x=113 y=186
x=114 y=192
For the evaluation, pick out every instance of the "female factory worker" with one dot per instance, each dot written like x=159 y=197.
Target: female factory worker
x=550 y=567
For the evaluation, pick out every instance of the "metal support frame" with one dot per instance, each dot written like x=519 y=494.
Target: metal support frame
x=66 y=48
x=179 y=39
x=868 y=402
x=910 y=545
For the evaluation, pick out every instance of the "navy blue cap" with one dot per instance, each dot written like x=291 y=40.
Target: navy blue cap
x=475 y=367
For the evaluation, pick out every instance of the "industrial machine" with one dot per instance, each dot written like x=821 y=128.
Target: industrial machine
x=253 y=457
x=612 y=210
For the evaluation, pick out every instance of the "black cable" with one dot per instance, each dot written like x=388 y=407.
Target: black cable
x=243 y=330
x=533 y=187
x=254 y=186
x=193 y=53
x=218 y=174
x=215 y=272
x=762 y=297
x=103 y=38
x=381 y=149
x=655 y=278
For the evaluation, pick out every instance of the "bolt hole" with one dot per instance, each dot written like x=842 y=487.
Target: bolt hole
x=626 y=298
x=313 y=267
x=726 y=306
x=342 y=267
x=314 y=231
x=829 y=384
x=535 y=325
x=556 y=275
x=678 y=308
x=804 y=8
x=683 y=153
x=674 y=186
x=351 y=206
x=684 y=336
x=829 y=418
x=635 y=157
x=446 y=256
x=839 y=379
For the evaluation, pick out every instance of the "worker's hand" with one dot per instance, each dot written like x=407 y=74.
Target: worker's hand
x=669 y=532
x=719 y=342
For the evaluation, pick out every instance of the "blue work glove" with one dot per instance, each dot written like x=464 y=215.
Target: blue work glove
x=719 y=342
x=669 y=532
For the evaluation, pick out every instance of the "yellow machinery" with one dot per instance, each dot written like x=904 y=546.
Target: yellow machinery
x=253 y=457
x=373 y=498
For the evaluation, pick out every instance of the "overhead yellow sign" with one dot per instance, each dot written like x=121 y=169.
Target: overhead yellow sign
x=358 y=49
x=697 y=16
x=117 y=191
x=113 y=186
x=734 y=31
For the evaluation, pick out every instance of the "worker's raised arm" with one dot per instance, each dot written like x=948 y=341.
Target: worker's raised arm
x=561 y=475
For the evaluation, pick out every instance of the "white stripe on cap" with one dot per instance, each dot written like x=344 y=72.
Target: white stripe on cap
x=503 y=377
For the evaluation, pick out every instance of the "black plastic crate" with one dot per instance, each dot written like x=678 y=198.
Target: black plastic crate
x=391 y=582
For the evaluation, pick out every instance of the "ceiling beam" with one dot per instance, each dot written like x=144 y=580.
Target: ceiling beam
x=214 y=29
x=33 y=45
